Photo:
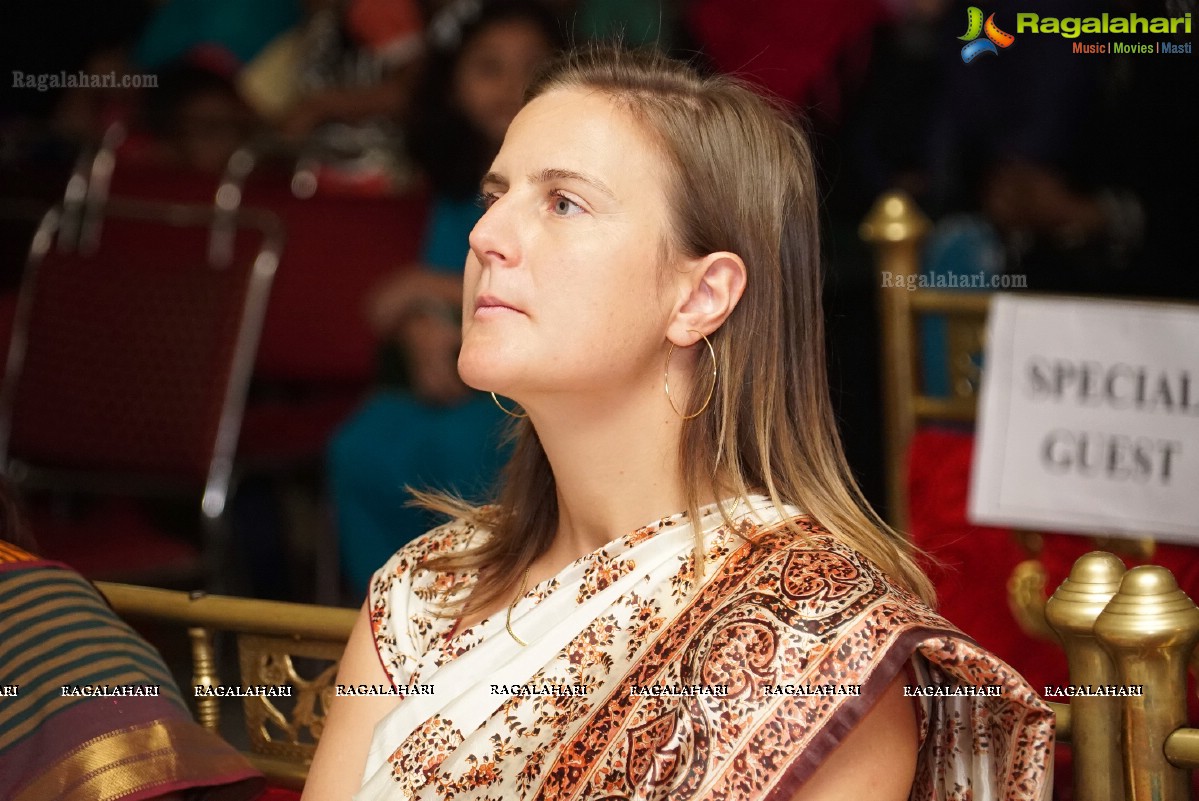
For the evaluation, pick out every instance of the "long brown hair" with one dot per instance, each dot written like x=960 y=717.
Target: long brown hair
x=741 y=179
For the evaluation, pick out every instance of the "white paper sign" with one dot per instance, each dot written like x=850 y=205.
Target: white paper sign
x=1089 y=418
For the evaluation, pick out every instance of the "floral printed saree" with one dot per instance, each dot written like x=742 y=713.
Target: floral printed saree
x=637 y=685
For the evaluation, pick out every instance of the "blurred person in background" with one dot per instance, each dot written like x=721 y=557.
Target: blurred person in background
x=237 y=29
x=196 y=119
x=47 y=39
x=431 y=429
x=351 y=62
x=1079 y=164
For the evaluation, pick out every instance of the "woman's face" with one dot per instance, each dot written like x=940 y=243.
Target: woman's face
x=493 y=71
x=563 y=289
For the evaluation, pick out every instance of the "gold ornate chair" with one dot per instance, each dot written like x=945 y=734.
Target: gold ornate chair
x=897 y=229
x=298 y=646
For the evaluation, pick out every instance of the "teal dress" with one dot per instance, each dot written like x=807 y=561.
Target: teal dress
x=396 y=440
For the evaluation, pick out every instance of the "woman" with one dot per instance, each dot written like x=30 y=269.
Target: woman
x=644 y=285
x=435 y=431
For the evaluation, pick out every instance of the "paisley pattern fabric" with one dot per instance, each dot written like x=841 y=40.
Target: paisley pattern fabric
x=636 y=684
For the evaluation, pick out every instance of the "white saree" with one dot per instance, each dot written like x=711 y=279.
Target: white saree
x=635 y=685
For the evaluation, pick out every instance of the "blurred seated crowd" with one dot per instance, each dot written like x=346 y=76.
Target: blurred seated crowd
x=1072 y=172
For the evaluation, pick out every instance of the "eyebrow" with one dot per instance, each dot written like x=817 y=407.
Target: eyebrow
x=548 y=175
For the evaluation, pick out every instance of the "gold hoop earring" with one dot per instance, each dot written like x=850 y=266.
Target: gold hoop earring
x=711 y=389
x=505 y=411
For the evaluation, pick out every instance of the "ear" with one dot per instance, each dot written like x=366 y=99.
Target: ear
x=710 y=288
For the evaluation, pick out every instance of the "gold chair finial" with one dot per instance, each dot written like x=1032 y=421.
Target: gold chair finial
x=1072 y=612
x=1093 y=580
x=1150 y=628
x=895 y=217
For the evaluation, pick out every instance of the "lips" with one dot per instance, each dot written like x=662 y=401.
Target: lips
x=492 y=303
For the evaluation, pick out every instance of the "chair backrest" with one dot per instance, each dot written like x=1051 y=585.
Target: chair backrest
x=340 y=247
x=282 y=647
x=896 y=227
x=130 y=359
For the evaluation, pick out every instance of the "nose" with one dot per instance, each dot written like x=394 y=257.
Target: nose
x=493 y=239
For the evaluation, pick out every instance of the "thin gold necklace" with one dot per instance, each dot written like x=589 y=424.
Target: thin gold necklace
x=524 y=582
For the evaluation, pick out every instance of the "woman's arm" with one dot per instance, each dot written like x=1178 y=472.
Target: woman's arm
x=877 y=761
x=336 y=772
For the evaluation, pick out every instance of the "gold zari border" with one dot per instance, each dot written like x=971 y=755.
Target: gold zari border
x=117 y=764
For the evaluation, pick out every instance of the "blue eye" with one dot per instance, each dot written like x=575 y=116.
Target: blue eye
x=486 y=200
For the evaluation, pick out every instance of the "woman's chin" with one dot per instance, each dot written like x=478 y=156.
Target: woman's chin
x=482 y=374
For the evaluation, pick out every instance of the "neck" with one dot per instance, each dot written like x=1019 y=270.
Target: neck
x=616 y=467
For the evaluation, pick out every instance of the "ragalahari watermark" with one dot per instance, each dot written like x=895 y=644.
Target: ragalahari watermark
x=45 y=81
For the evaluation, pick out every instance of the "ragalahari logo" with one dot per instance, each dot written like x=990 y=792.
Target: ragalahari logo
x=975 y=26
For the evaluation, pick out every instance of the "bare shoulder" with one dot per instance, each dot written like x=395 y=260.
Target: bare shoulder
x=337 y=767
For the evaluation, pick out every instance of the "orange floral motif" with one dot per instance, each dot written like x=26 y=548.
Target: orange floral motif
x=411 y=767
x=646 y=620
x=601 y=573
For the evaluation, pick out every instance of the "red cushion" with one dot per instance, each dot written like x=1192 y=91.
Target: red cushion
x=113 y=540
x=971 y=564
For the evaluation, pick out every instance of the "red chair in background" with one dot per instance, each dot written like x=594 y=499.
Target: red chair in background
x=316 y=359
x=316 y=344
x=131 y=353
